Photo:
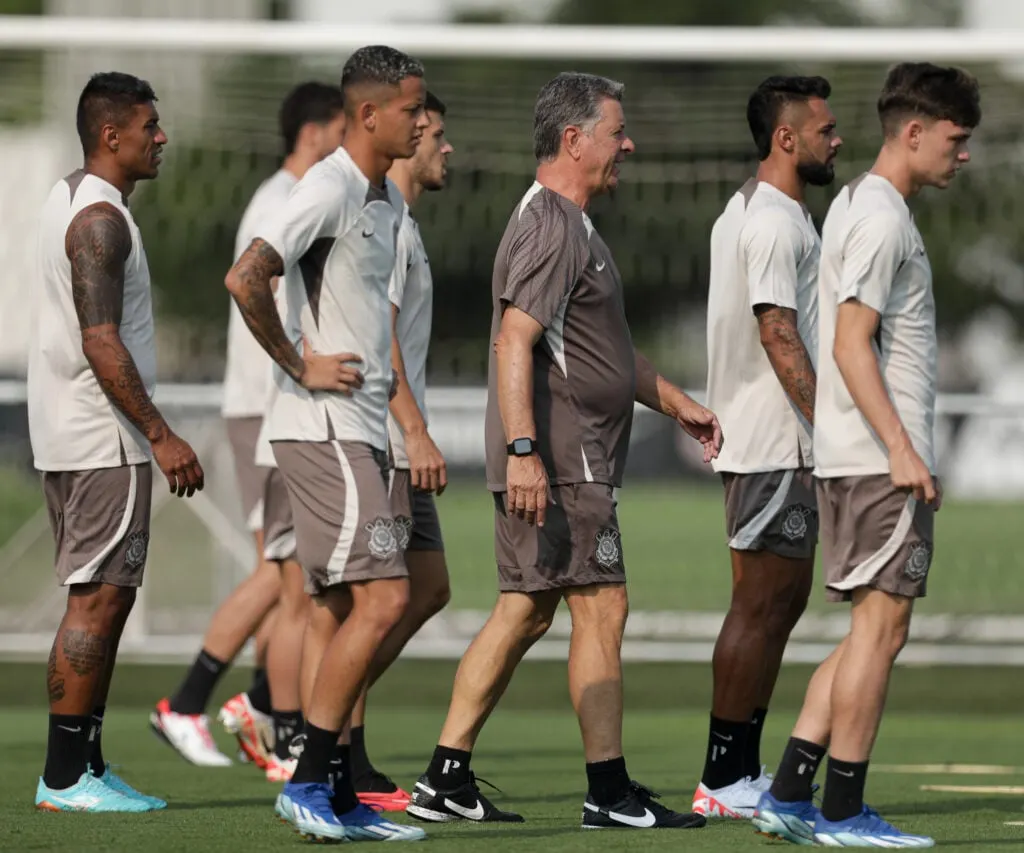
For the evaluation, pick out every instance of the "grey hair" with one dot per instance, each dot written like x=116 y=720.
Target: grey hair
x=572 y=99
x=379 y=64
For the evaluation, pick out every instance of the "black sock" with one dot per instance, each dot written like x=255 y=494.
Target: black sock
x=96 y=761
x=752 y=747
x=287 y=724
x=259 y=691
x=67 y=750
x=723 y=763
x=344 y=798
x=318 y=749
x=795 y=775
x=361 y=765
x=194 y=693
x=448 y=768
x=607 y=781
x=844 y=789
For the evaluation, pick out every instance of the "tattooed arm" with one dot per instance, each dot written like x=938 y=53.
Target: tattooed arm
x=249 y=282
x=788 y=356
x=97 y=243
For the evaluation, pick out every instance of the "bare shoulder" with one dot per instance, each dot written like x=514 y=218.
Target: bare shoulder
x=99 y=231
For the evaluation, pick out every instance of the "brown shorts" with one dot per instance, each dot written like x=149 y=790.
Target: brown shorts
x=578 y=545
x=344 y=529
x=774 y=511
x=252 y=479
x=100 y=523
x=278 y=526
x=873 y=535
x=415 y=513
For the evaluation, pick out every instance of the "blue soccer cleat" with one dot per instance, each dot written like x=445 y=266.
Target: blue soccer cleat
x=364 y=824
x=792 y=822
x=868 y=829
x=307 y=807
x=283 y=807
x=88 y=794
x=116 y=783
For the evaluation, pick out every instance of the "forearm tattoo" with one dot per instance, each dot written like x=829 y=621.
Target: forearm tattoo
x=254 y=271
x=97 y=244
x=788 y=356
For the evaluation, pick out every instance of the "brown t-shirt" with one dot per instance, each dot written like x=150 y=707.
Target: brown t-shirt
x=554 y=266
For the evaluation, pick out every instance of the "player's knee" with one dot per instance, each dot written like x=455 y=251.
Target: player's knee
x=527 y=617
x=434 y=599
x=601 y=610
x=385 y=605
x=100 y=606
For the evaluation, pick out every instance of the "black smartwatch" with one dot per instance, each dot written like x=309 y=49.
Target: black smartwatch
x=522 y=447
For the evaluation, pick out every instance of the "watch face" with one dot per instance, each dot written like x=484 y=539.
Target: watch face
x=522 y=445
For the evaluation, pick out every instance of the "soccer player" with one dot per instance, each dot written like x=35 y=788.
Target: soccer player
x=420 y=470
x=94 y=427
x=563 y=378
x=311 y=123
x=334 y=240
x=762 y=343
x=874 y=450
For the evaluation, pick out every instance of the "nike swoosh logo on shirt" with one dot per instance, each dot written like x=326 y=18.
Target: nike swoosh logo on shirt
x=600 y=266
x=368 y=233
x=647 y=820
x=475 y=813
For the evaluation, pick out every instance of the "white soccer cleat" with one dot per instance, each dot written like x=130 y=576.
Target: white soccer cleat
x=763 y=783
x=254 y=729
x=734 y=802
x=189 y=734
x=280 y=770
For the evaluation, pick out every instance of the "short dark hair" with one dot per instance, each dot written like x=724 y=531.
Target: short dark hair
x=307 y=103
x=570 y=99
x=766 y=104
x=434 y=104
x=108 y=98
x=379 y=64
x=928 y=91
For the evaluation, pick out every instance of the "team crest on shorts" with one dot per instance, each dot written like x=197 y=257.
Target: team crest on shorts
x=403 y=530
x=383 y=538
x=135 y=551
x=608 y=552
x=794 y=525
x=919 y=561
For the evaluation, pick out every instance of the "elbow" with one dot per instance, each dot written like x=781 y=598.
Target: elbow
x=843 y=350
x=769 y=340
x=234 y=284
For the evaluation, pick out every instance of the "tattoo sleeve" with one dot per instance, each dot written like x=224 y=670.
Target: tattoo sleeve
x=97 y=244
x=86 y=653
x=788 y=356
x=250 y=283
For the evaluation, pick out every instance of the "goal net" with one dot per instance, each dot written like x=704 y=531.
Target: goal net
x=219 y=88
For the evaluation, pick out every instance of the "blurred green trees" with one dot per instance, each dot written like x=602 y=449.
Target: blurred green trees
x=693 y=151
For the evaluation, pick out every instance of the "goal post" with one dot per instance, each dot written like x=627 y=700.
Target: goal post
x=511 y=41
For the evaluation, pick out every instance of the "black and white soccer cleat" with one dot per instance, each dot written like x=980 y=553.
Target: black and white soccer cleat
x=638 y=810
x=465 y=802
